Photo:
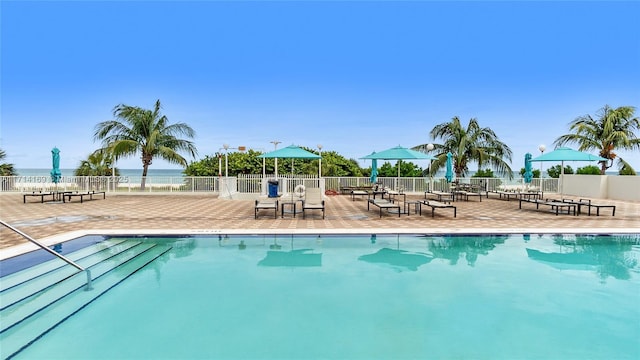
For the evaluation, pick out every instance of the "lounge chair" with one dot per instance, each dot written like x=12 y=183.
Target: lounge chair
x=68 y=195
x=463 y=194
x=41 y=195
x=587 y=203
x=312 y=201
x=266 y=205
x=442 y=196
x=355 y=193
x=554 y=204
x=437 y=205
x=518 y=194
x=383 y=204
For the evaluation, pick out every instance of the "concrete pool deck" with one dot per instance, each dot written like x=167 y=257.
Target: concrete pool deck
x=207 y=214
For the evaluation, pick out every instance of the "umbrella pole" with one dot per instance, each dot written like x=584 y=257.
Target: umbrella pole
x=398 y=178
x=561 y=181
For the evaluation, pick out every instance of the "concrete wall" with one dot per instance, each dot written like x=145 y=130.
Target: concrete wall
x=624 y=188
x=602 y=187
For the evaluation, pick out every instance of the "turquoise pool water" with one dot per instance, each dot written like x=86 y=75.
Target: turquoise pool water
x=367 y=297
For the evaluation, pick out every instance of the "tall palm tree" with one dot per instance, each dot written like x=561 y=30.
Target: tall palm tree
x=6 y=169
x=468 y=144
x=611 y=129
x=147 y=132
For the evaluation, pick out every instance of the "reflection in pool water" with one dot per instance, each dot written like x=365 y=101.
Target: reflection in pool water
x=366 y=297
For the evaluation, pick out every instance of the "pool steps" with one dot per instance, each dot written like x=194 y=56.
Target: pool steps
x=29 y=283
x=32 y=302
x=31 y=308
x=44 y=268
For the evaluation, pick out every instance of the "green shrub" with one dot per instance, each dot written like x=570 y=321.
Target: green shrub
x=488 y=173
x=588 y=170
x=554 y=171
x=627 y=170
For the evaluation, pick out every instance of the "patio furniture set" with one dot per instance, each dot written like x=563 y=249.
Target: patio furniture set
x=312 y=201
x=571 y=206
x=64 y=196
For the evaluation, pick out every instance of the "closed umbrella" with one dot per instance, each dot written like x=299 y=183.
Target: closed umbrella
x=528 y=173
x=449 y=174
x=563 y=154
x=55 y=170
x=374 y=171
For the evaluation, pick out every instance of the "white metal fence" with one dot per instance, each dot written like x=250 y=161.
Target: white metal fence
x=252 y=183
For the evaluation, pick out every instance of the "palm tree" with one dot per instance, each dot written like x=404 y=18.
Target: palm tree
x=138 y=130
x=6 y=169
x=473 y=143
x=612 y=129
x=97 y=164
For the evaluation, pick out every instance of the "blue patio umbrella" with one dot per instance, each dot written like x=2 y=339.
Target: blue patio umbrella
x=528 y=173
x=55 y=170
x=398 y=259
x=449 y=174
x=293 y=258
x=563 y=154
x=289 y=152
x=374 y=171
x=398 y=153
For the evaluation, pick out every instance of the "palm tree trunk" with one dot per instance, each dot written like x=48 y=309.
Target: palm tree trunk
x=144 y=176
x=146 y=161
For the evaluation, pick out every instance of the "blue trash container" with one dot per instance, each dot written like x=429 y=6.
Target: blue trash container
x=273 y=188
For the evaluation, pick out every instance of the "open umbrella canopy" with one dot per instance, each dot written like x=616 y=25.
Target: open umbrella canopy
x=563 y=154
x=55 y=170
x=293 y=258
x=398 y=259
x=449 y=174
x=565 y=261
x=567 y=154
x=528 y=172
x=399 y=153
x=290 y=152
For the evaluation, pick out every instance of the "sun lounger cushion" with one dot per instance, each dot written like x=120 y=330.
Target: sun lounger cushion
x=266 y=205
x=555 y=205
x=383 y=204
x=589 y=204
x=313 y=201
x=355 y=193
x=439 y=205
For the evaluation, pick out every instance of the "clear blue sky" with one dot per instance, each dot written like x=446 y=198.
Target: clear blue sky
x=354 y=76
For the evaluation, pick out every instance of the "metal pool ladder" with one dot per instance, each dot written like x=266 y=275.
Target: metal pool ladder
x=63 y=258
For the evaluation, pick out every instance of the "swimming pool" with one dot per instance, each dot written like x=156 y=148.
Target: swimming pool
x=365 y=297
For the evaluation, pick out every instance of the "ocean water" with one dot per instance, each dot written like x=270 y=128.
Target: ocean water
x=123 y=172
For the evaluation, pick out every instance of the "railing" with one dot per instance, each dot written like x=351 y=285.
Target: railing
x=63 y=258
x=246 y=183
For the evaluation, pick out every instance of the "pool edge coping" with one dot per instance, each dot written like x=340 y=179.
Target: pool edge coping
x=60 y=238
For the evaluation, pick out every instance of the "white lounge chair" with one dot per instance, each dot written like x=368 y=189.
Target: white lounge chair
x=312 y=201
x=266 y=205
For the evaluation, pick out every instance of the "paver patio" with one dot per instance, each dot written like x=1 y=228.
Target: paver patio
x=205 y=212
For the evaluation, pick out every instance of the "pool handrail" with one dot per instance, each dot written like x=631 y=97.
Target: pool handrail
x=63 y=258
